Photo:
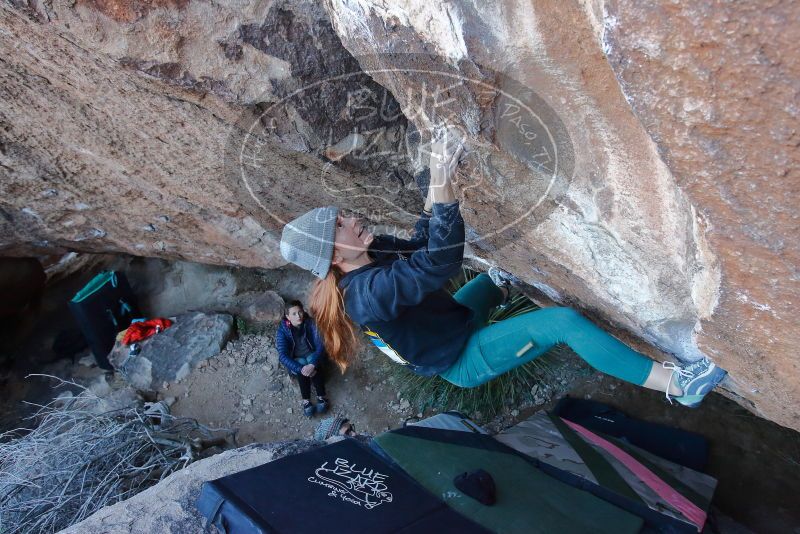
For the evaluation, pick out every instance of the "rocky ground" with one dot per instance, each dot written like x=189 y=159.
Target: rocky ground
x=244 y=387
x=169 y=507
x=756 y=462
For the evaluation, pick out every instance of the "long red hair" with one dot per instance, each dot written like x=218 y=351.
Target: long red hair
x=335 y=327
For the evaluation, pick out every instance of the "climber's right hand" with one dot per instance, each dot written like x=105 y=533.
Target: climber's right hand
x=445 y=153
x=446 y=150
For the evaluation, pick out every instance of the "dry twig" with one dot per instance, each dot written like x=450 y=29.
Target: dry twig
x=75 y=461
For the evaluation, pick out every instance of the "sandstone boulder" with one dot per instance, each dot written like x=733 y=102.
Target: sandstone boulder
x=172 y=354
x=262 y=307
x=167 y=288
x=670 y=215
x=187 y=149
x=635 y=161
x=716 y=88
x=169 y=506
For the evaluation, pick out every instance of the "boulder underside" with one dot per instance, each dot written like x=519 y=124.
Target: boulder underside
x=636 y=161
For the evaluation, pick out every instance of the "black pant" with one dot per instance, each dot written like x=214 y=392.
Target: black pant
x=305 y=384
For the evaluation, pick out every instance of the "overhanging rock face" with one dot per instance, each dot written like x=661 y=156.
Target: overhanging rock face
x=717 y=89
x=609 y=227
x=168 y=129
x=654 y=223
x=638 y=162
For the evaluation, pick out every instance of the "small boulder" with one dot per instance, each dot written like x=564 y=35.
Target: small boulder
x=255 y=306
x=170 y=355
x=169 y=507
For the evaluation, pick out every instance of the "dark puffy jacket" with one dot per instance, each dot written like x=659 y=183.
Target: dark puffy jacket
x=400 y=301
x=284 y=342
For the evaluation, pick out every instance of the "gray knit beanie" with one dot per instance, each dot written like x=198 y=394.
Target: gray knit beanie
x=329 y=427
x=308 y=240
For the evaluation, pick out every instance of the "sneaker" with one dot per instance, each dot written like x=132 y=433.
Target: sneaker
x=502 y=279
x=322 y=404
x=308 y=408
x=696 y=380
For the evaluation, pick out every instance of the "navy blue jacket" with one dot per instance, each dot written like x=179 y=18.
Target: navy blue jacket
x=284 y=341
x=399 y=300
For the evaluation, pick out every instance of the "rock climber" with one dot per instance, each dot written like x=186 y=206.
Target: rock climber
x=302 y=352
x=394 y=290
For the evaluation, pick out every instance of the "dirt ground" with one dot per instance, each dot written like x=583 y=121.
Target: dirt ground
x=245 y=387
x=756 y=462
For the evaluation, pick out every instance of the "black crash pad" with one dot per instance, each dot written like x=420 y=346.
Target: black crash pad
x=343 y=487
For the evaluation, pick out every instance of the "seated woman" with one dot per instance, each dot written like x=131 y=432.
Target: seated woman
x=301 y=351
x=394 y=289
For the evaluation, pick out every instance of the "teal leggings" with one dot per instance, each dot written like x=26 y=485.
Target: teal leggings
x=495 y=349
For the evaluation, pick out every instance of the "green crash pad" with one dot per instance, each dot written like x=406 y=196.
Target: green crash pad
x=528 y=500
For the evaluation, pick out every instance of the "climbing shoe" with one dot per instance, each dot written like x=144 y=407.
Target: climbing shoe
x=308 y=408
x=322 y=404
x=502 y=279
x=696 y=380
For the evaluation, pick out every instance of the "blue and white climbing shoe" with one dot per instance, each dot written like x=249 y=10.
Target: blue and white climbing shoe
x=696 y=380
x=502 y=279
